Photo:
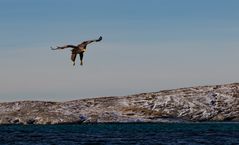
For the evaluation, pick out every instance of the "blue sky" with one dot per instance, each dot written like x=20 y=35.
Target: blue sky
x=148 y=45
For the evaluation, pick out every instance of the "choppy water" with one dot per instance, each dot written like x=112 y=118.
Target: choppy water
x=146 y=133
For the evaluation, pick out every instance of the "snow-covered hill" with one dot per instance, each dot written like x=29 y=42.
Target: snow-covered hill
x=203 y=103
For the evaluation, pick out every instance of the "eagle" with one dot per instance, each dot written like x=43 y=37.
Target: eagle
x=77 y=49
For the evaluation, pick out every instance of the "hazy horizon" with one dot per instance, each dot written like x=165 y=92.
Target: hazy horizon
x=147 y=46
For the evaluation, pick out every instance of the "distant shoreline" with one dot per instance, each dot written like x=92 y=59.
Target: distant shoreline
x=217 y=103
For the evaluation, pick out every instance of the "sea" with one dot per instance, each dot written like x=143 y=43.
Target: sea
x=215 y=133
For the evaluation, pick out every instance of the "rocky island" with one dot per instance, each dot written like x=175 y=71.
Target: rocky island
x=193 y=104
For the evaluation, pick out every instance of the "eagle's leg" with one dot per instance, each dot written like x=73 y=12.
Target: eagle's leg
x=73 y=58
x=81 y=58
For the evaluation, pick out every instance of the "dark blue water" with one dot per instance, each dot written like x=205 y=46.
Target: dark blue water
x=161 y=133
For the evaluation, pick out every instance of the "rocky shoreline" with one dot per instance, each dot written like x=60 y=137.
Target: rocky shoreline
x=193 y=104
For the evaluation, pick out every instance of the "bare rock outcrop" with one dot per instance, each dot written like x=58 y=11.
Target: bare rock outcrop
x=203 y=103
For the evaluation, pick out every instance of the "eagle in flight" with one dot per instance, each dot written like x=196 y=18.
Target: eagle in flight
x=78 y=49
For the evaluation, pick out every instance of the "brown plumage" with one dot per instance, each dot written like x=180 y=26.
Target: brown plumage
x=78 y=49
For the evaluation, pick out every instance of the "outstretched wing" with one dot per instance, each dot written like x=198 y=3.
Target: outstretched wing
x=100 y=38
x=84 y=43
x=52 y=48
x=63 y=47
